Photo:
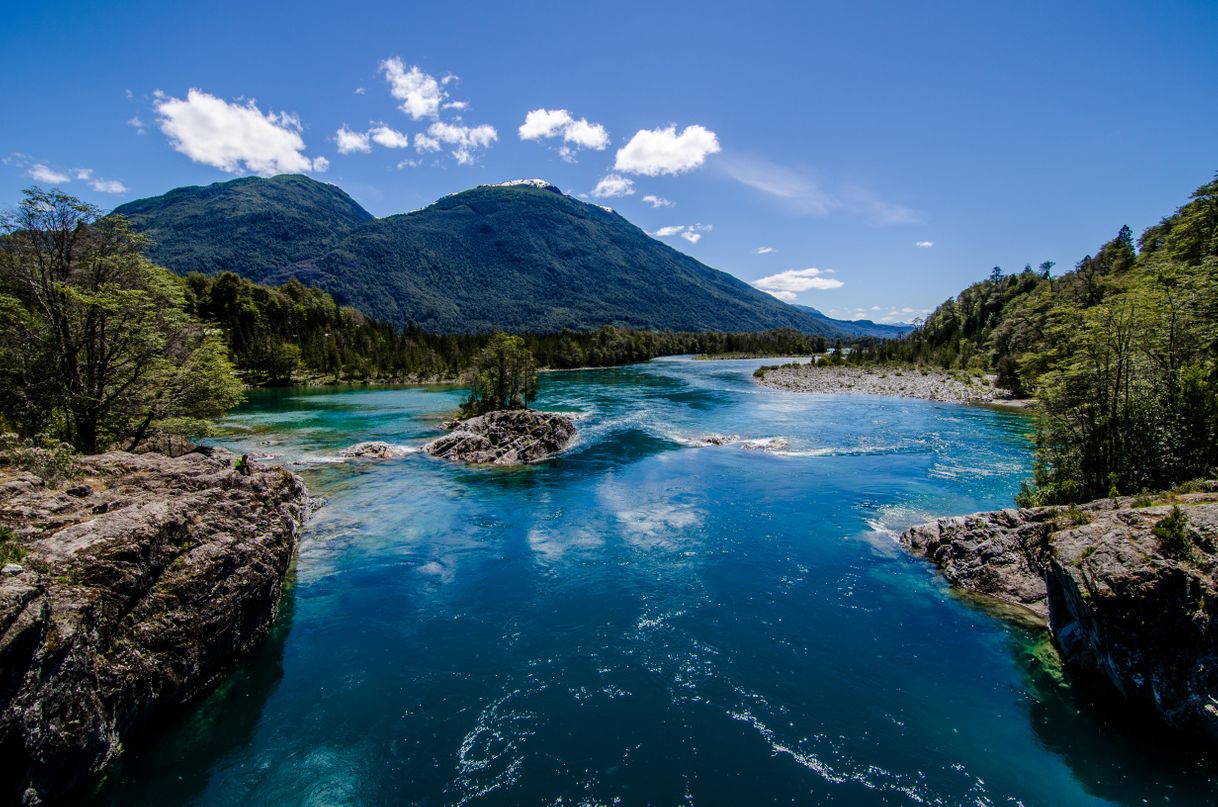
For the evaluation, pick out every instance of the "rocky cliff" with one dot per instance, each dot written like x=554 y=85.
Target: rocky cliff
x=1124 y=605
x=510 y=437
x=126 y=593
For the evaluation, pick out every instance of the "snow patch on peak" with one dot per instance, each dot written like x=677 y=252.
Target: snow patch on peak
x=606 y=209
x=528 y=183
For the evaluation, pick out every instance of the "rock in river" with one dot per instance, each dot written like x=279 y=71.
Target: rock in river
x=374 y=450
x=510 y=437
x=1121 y=605
x=135 y=589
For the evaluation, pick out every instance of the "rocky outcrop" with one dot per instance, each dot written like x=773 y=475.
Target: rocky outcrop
x=374 y=450
x=509 y=437
x=130 y=590
x=1122 y=607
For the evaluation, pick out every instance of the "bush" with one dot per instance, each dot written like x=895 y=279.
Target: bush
x=48 y=459
x=10 y=550
x=1175 y=536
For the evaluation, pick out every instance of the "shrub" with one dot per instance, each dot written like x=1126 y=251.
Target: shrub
x=48 y=459
x=1175 y=536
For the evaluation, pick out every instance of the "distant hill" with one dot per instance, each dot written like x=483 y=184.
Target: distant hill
x=517 y=256
x=863 y=328
x=251 y=226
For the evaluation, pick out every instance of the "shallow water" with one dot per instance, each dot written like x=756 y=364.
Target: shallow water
x=645 y=620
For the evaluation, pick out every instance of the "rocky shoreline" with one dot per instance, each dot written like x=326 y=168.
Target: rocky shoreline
x=1122 y=606
x=128 y=590
x=931 y=385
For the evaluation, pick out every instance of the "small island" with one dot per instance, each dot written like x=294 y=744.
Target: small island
x=495 y=426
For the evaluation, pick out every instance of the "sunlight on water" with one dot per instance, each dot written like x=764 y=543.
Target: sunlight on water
x=647 y=619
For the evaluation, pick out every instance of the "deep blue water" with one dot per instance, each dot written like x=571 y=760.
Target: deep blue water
x=643 y=620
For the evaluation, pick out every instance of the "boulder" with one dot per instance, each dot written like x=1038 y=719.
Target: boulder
x=1121 y=609
x=134 y=591
x=510 y=437
x=374 y=450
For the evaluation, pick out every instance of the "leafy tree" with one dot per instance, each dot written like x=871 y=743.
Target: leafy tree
x=503 y=376
x=95 y=342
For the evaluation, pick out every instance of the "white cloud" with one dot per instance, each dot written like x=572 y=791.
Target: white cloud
x=457 y=105
x=349 y=141
x=925 y=244
x=795 y=281
x=465 y=140
x=658 y=201
x=408 y=164
x=690 y=232
x=83 y=173
x=887 y=316
x=424 y=144
x=764 y=250
x=135 y=122
x=43 y=173
x=613 y=185
x=542 y=124
x=320 y=165
x=785 y=296
x=662 y=151
x=108 y=186
x=389 y=138
x=361 y=90
x=234 y=137
x=419 y=93
x=806 y=195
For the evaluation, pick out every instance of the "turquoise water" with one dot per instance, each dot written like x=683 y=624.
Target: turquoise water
x=644 y=620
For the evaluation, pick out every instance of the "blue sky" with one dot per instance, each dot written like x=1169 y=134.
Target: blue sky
x=840 y=136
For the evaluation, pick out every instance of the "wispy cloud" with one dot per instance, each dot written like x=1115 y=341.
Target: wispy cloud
x=924 y=244
x=764 y=250
x=886 y=315
x=612 y=186
x=44 y=173
x=690 y=232
x=658 y=201
x=804 y=194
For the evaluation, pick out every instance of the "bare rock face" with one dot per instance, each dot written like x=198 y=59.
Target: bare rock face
x=1119 y=606
x=511 y=437
x=136 y=586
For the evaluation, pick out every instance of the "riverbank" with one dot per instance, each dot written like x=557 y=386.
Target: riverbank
x=931 y=385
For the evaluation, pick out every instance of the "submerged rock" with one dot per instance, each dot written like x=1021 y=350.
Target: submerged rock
x=135 y=590
x=374 y=450
x=509 y=437
x=1120 y=608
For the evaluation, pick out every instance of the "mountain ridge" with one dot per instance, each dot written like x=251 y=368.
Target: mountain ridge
x=516 y=255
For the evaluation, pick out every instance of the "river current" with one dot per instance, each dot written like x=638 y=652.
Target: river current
x=646 y=619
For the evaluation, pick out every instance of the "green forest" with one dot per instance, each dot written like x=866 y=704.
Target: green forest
x=1121 y=352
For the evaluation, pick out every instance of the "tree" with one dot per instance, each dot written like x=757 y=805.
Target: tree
x=96 y=345
x=502 y=376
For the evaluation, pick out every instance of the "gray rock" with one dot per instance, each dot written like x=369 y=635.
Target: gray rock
x=133 y=599
x=1118 y=607
x=374 y=450
x=510 y=437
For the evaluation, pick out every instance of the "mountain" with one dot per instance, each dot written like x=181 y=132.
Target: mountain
x=862 y=328
x=250 y=226
x=519 y=256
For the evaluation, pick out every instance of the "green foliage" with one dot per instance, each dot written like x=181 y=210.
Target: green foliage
x=252 y=226
x=503 y=376
x=10 y=550
x=44 y=457
x=1122 y=351
x=96 y=346
x=515 y=258
x=1175 y=536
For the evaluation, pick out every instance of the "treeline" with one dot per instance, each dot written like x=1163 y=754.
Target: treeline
x=294 y=334
x=1122 y=351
